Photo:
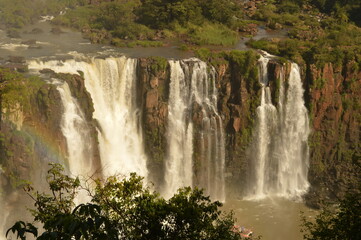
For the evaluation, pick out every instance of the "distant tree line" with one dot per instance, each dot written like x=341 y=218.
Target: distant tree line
x=348 y=8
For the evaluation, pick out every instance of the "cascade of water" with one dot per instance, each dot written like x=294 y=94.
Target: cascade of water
x=292 y=170
x=280 y=151
x=189 y=89
x=111 y=83
x=179 y=169
x=266 y=114
x=76 y=132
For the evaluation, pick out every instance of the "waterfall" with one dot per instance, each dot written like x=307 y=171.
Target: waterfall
x=192 y=116
x=76 y=132
x=294 y=151
x=179 y=164
x=191 y=94
x=111 y=83
x=279 y=149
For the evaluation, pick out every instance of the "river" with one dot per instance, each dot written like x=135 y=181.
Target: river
x=272 y=218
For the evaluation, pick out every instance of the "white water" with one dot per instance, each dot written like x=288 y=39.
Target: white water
x=280 y=152
x=179 y=164
x=292 y=171
x=75 y=130
x=189 y=88
x=111 y=83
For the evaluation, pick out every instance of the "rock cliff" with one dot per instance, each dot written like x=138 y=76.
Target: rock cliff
x=334 y=100
x=332 y=95
x=31 y=137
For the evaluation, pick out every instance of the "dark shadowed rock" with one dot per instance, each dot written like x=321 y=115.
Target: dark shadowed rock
x=56 y=30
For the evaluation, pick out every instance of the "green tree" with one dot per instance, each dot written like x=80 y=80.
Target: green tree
x=9 y=81
x=161 y=14
x=123 y=209
x=333 y=223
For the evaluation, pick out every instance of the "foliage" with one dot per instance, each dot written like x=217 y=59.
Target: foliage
x=342 y=222
x=247 y=63
x=124 y=209
x=163 y=13
x=198 y=22
x=314 y=37
x=15 y=88
x=18 y=13
x=213 y=34
x=350 y=9
x=158 y=64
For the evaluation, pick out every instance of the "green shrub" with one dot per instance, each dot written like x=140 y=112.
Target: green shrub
x=149 y=43
x=213 y=34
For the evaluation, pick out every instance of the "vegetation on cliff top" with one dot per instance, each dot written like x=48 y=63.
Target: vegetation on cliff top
x=200 y=22
x=317 y=34
x=15 y=88
x=18 y=13
x=123 y=209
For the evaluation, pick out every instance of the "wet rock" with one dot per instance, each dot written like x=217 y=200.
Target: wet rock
x=151 y=99
x=16 y=67
x=236 y=124
x=13 y=33
x=16 y=59
x=154 y=82
x=36 y=31
x=29 y=42
x=56 y=30
x=47 y=71
x=250 y=29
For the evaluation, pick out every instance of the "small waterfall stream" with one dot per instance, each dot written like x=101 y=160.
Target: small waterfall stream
x=280 y=149
x=179 y=164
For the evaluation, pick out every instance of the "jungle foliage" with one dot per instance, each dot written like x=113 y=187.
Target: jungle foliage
x=18 y=13
x=316 y=35
x=336 y=222
x=122 y=209
x=159 y=20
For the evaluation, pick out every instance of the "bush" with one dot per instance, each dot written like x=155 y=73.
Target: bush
x=341 y=222
x=124 y=209
x=213 y=34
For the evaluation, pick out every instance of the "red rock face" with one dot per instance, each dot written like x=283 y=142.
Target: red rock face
x=335 y=100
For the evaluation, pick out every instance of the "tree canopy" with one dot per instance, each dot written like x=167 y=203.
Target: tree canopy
x=122 y=209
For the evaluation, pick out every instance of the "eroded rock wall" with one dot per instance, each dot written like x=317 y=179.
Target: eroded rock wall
x=28 y=144
x=334 y=100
